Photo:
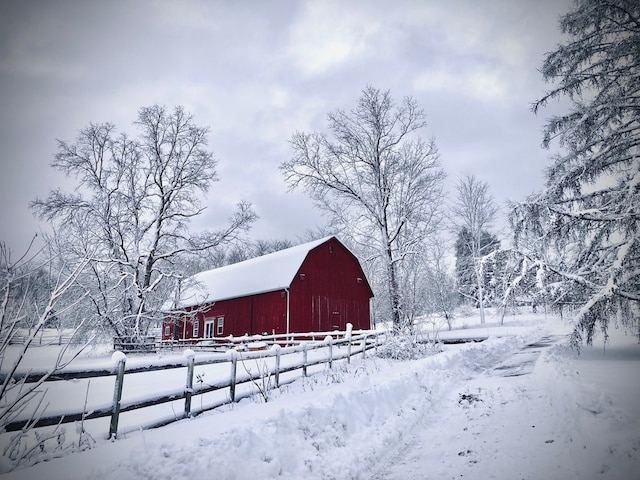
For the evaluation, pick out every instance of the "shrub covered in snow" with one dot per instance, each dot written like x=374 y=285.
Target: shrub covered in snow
x=407 y=346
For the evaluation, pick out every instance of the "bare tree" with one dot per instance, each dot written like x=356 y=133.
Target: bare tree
x=473 y=214
x=441 y=292
x=131 y=210
x=26 y=399
x=376 y=178
x=263 y=247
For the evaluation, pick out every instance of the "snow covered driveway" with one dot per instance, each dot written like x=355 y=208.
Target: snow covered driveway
x=527 y=418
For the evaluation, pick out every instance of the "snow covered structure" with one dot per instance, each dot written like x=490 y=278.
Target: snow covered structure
x=316 y=286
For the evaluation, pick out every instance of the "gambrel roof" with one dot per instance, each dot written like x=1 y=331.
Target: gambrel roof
x=271 y=272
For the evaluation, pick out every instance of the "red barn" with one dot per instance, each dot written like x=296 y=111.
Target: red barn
x=318 y=286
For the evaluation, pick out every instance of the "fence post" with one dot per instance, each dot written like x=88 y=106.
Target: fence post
x=304 y=359
x=329 y=340
x=277 y=347
x=121 y=359
x=364 y=347
x=232 y=382
x=348 y=334
x=188 y=391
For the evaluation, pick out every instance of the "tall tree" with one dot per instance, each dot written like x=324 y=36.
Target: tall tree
x=131 y=210
x=376 y=177
x=591 y=200
x=473 y=214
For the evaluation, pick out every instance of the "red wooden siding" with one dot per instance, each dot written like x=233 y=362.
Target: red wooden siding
x=264 y=313
x=326 y=293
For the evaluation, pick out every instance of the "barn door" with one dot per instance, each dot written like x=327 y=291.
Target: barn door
x=328 y=313
x=337 y=314
x=209 y=328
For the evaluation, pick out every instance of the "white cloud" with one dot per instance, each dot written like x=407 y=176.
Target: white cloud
x=327 y=35
x=478 y=51
x=480 y=83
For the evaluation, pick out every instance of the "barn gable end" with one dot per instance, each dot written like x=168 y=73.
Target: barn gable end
x=330 y=290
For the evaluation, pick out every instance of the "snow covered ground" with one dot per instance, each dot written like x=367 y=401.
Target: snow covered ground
x=494 y=409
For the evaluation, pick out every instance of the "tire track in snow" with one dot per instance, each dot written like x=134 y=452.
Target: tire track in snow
x=467 y=437
x=523 y=361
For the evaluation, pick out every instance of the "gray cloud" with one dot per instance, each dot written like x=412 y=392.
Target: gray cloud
x=255 y=72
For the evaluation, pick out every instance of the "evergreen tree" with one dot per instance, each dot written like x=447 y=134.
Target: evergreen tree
x=591 y=202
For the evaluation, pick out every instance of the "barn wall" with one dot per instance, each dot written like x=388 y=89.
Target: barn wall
x=183 y=326
x=269 y=313
x=264 y=313
x=236 y=313
x=326 y=293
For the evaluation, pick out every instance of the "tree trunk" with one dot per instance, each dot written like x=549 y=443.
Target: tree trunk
x=394 y=295
x=479 y=280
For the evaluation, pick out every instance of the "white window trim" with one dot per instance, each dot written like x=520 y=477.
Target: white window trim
x=220 y=326
x=196 y=328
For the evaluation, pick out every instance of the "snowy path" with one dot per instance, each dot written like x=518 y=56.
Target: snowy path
x=505 y=424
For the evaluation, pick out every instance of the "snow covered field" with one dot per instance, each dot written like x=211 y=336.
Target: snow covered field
x=542 y=413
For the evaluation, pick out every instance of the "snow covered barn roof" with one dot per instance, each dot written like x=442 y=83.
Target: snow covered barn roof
x=274 y=271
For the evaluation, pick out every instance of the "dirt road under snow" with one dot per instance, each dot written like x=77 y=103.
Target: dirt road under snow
x=516 y=421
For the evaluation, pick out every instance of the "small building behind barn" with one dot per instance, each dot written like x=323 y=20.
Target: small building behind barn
x=314 y=287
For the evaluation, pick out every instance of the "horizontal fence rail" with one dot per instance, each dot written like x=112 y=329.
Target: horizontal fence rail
x=46 y=337
x=334 y=343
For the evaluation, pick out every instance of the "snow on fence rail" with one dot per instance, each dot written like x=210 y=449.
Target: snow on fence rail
x=152 y=343
x=355 y=344
x=47 y=336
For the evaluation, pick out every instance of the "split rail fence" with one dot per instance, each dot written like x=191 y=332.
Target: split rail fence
x=333 y=346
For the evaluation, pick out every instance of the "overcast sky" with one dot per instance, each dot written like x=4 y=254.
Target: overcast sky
x=257 y=71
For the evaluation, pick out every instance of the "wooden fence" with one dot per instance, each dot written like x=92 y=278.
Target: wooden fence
x=144 y=344
x=245 y=342
x=350 y=344
x=151 y=343
x=46 y=336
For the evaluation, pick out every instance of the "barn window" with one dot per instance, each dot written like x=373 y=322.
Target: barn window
x=302 y=275
x=220 y=325
x=167 y=330
x=330 y=248
x=208 y=329
x=359 y=279
x=196 y=328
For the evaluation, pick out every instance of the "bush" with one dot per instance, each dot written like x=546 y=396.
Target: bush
x=407 y=346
